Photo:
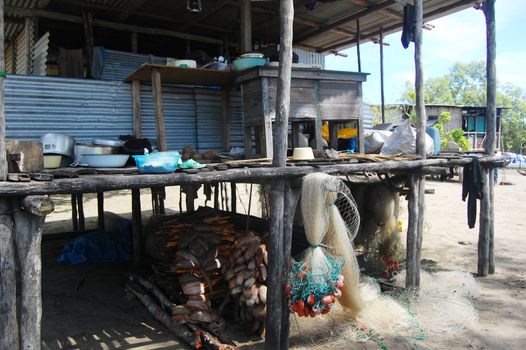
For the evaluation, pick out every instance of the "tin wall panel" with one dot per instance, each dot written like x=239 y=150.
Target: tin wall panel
x=179 y=116
x=309 y=57
x=119 y=64
x=84 y=109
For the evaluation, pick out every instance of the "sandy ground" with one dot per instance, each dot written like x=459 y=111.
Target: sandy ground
x=85 y=306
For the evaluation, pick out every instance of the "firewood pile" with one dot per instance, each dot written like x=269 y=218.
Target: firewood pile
x=206 y=261
x=246 y=273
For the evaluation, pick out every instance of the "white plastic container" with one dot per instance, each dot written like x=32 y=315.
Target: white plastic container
x=52 y=161
x=302 y=153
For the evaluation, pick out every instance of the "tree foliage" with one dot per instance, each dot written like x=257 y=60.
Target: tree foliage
x=465 y=85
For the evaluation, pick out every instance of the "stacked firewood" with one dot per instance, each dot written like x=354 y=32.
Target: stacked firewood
x=246 y=275
x=194 y=252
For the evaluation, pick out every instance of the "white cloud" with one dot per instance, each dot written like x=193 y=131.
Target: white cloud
x=510 y=68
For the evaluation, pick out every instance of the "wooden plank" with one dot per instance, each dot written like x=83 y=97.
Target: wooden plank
x=158 y=107
x=28 y=40
x=300 y=73
x=136 y=98
x=233 y=197
x=28 y=236
x=103 y=183
x=136 y=225
x=225 y=120
x=8 y=313
x=247 y=142
x=188 y=76
x=267 y=148
x=88 y=35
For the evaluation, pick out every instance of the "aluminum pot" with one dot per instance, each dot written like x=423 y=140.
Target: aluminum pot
x=90 y=149
x=57 y=143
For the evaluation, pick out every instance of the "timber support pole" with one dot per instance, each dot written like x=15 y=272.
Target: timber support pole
x=275 y=330
x=486 y=259
x=416 y=205
x=29 y=216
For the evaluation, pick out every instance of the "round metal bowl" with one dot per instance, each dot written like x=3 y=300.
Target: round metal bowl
x=57 y=143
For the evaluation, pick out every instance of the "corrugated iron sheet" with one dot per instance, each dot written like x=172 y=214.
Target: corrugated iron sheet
x=309 y=57
x=119 y=64
x=83 y=109
x=40 y=55
x=367 y=116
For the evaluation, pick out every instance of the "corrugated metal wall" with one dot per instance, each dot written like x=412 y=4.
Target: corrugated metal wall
x=86 y=109
x=367 y=116
x=309 y=57
x=83 y=109
x=119 y=64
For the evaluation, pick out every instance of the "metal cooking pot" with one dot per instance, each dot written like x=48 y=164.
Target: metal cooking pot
x=90 y=149
x=54 y=142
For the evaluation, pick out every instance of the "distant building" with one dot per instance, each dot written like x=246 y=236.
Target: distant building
x=472 y=120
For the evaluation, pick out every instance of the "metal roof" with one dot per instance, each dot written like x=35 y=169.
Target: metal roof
x=330 y=25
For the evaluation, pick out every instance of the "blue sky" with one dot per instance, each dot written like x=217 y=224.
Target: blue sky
x=457 y=37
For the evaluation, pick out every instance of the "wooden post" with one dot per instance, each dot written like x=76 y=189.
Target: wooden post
x=417 y=183
x=317 y=122
x=8 y=319
x=74 y=214
x=275 y=297
x=491 y=119
x=28 y=224
x=134 y=42
x=382 y=95
x=247 y=142
x=484 y=221
x=100 y=211
x=233 y=195
x=245 y=14
x=158 y=107
x=225 y=119
x=136 y=97
x=80 y=208
x=292 y=195
x=88 y=35
x=3 y=155
x=28 y=23
x=136 y=225
x=358 y=56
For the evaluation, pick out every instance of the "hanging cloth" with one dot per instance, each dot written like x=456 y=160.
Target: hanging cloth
x=408 y=31
x=472 y=185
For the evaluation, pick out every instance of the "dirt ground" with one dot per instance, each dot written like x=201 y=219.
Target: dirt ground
x=85 y=306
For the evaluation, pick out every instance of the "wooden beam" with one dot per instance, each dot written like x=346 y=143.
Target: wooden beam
x=358 y=55
x=88 y=35
x=207 y=11
x=158 y=108
x=131 y=7
x=382 y=91
x=57 y=16
x=245 y=30
x=100 y=211
x=28 y=39
x=395 y=27
x=168 y=19
x=345 y=20
x=136 y=225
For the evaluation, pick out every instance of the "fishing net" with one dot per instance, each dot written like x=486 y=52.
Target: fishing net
x=331 y=221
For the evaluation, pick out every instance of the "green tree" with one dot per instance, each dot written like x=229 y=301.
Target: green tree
x=465 y=85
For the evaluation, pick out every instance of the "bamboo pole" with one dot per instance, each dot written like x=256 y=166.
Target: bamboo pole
x=358 y=55
x=417 y=183
x=491 y=124
x=277 y=201
x=382 y=90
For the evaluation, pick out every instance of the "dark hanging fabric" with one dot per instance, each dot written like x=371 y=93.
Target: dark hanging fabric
x=472 y=185
x=70 y=63
x=408 y=31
